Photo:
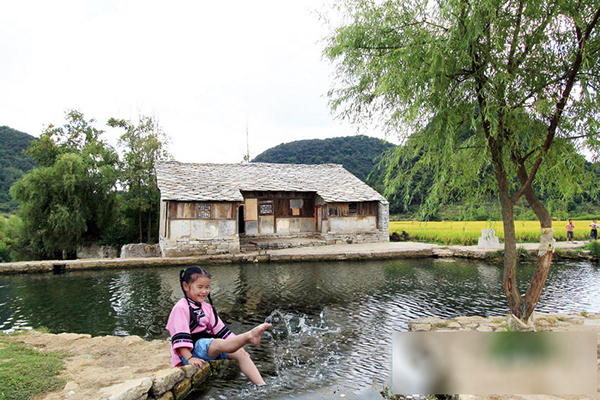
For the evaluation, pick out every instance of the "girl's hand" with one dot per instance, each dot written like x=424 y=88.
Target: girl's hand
x=198 y=362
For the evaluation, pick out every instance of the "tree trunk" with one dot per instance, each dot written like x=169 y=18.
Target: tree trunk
x=149 y=234
x=140 y=224
x=522 y=307
x=515 y=302
x=542 y=268
x=545 y=251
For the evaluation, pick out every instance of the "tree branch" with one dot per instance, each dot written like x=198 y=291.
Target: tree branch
x=513 y=46
x=560 y=106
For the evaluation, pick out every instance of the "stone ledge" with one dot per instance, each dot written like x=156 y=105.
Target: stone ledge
x=174 y=383
x=542 y=322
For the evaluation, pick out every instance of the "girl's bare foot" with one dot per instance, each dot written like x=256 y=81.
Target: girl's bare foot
x=256 y=332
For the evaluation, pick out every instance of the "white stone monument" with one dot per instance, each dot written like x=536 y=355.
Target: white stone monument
x=488 y=239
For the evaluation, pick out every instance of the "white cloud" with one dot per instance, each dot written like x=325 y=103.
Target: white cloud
x=206 y=70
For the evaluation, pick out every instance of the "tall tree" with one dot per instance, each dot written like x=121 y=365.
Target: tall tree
x=143 y=145
x=70 y=199
x=507 y=84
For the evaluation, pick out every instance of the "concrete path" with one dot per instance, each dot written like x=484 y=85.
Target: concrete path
x=386 y=247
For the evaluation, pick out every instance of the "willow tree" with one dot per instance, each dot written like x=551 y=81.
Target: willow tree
x=492 y=95
x=70 y=199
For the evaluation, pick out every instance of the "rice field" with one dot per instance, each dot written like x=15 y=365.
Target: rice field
x=468 y=232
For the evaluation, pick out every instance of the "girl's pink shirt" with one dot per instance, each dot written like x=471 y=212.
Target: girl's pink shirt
x=179 y=322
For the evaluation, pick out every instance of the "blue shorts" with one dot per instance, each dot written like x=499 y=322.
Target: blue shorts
x=201 y=350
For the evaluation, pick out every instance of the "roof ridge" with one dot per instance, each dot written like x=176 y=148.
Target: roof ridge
x=251 y=164
x=224 y=182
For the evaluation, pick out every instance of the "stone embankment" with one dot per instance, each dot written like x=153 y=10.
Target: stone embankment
x=338 y=252
x=556 y=322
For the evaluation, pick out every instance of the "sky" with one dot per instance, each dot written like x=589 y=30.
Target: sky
x=208 y=71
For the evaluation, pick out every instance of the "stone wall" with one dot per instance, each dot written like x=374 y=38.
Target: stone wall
x=201 y=228
x=351 y=224
x=355 y=237
x=186 y=247
x=140 y=250
x=95 y=251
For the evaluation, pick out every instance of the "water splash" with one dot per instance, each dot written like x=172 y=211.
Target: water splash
x=288 y=325
x=304 y=353
x=303 y=346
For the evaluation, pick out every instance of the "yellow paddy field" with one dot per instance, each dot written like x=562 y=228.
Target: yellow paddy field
x=461 y=232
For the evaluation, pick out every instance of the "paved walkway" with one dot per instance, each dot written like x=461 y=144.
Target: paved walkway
x=386 y=247
x=360 y=251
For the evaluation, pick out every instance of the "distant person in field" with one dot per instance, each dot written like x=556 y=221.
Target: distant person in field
x=594 y=232
x=570 y=229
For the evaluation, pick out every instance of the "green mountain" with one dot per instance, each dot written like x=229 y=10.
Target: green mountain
x=13 y=163
x=358 y=154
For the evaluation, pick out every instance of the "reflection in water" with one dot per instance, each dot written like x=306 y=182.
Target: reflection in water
x=333 y=322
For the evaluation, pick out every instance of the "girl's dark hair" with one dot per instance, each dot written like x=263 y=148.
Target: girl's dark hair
x=187 y=275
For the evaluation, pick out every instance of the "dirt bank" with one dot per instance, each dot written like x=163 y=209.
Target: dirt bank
x=95 y=363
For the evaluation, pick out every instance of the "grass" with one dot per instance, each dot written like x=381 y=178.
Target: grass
x=26 y=372
x=594 y=248
x=468 y=232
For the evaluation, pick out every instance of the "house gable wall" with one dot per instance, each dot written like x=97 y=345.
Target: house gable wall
x=197 y=228
x=353 y=217
x=356 y=222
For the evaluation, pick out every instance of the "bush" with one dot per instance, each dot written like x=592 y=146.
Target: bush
x=594 y=248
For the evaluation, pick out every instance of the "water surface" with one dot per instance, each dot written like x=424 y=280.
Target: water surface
x=333 y=322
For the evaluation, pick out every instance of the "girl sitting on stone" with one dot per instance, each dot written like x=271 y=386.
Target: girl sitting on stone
x=198 y=334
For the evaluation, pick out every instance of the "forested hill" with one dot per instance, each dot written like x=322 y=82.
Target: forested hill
x=13 y=163
x=358 y=154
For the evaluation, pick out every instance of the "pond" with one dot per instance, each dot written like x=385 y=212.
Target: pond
x=333 y=322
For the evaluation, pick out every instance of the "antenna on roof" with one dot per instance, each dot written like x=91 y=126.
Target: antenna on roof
x=247 y=155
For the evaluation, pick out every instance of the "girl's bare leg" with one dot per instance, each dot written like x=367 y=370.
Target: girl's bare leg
x=234 y=343
x=247 y=366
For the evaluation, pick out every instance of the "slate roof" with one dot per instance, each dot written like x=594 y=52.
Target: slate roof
x=224 y=182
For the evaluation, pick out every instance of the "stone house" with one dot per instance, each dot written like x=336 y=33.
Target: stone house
x=212 y=208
